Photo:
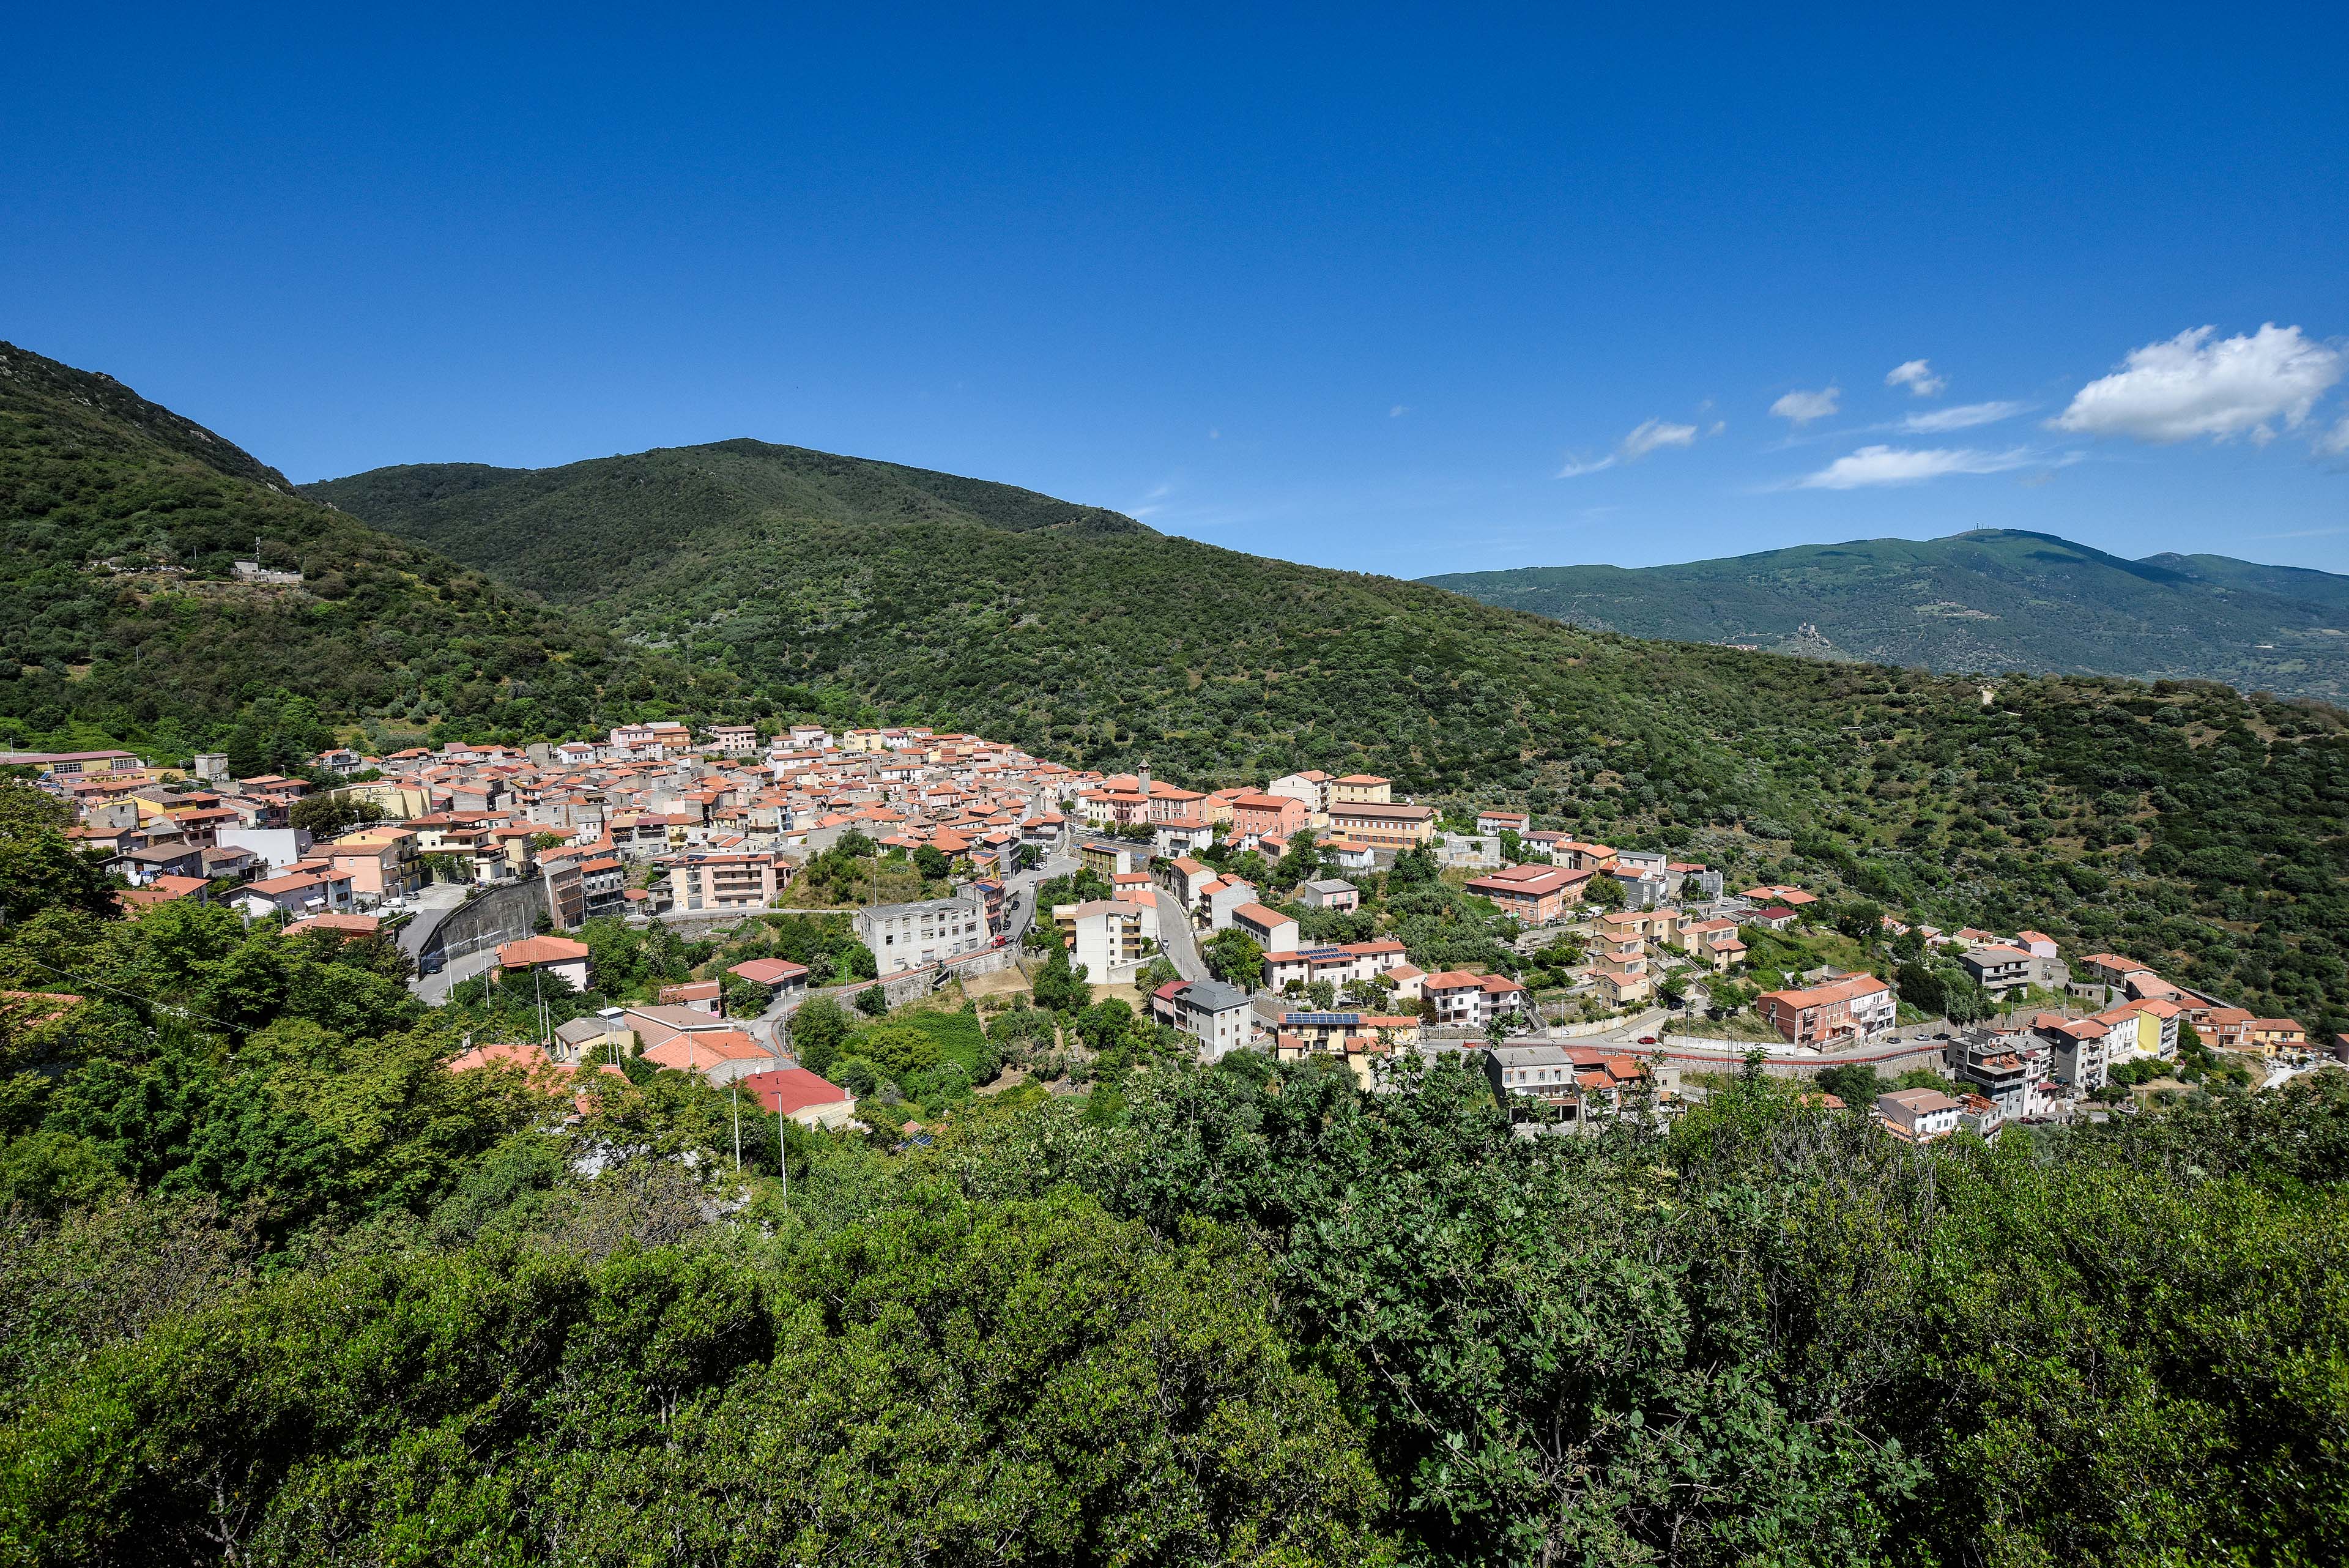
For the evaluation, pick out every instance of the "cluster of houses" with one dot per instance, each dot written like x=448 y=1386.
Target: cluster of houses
x=654 y=819
x=649 y=820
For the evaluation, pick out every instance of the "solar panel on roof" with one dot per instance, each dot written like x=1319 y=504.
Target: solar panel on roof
x=1325 y=1019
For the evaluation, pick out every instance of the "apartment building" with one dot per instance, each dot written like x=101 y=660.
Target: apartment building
x=1918 y=1115
x=2010 y=1068
x=1218 y=1016
x=2080 y=1051
x=1383 y=826
x=1619 y=962
x=1311 y=786
x=1330 y=893
x=1269 y=815
x=1273 y=931
x=1108 y=937
x=2000 y=968
x=1359 y=789
x=1855 y=1007
x=1532 y=895
x=1574 y=1081
x=726 y=881
x=557 y=958
x=908 y=935
x=1461 y=999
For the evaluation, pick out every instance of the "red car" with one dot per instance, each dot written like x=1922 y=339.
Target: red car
x=1647 y=1040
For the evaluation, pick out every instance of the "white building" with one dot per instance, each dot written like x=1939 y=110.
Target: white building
x=1218 y=1016
x=1918 y=1115
x=1108 y=937
x=908 y=936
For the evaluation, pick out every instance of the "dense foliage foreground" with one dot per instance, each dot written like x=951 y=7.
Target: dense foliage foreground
x=1268 y=1318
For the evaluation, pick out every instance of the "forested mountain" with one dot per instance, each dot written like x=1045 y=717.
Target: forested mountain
x=1993 y=599
x=577 y=532
x=120 y=618
x=278 y=1287
x=2186 y=823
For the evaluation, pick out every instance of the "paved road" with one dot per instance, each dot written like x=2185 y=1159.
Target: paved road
x=432 y=905
x=1175 y=935
x=434 y=989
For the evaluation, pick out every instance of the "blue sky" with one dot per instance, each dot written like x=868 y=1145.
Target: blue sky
x=1404 y=291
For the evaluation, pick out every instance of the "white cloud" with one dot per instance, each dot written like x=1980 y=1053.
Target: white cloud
x=1398 y=410
x=1649 y=435
x=2335 y=442
x=1907 y=465
x=1718 y=426
x=2190 y=386
x=1801 y=408
x=1965 y=416
x=1917 y=376
x=1652 y=436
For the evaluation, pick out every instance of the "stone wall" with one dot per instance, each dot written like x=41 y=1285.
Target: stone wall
x=911 y=985
x=504 y=914
x=1696 y=1053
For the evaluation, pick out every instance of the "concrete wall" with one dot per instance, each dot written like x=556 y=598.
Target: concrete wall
x=910 y=984
x=1692 y=1053
x=504 y=914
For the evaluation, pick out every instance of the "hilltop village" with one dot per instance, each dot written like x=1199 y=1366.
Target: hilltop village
x=1311 y=917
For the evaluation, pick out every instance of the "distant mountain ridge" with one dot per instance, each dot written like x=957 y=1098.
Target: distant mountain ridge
x=1990 y=599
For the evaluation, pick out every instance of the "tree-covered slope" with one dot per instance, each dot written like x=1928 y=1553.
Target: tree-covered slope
x=2184 y=823
x=1993 y=599
x=589 y=528
x=2193 y=826
x=120 y=618
x=277 y=1287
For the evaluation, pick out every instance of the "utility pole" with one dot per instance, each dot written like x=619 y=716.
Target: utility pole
x=737 y=1126
x=782 y=1150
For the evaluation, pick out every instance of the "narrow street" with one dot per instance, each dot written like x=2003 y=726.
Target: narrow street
x=1174 y=934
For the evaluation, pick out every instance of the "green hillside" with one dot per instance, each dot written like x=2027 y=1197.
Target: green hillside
x=2185 y=820
x=122 y=620
x=1993 y=599
x=580 y=530
x=280 y=1288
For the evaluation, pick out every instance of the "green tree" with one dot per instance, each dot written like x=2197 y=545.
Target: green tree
x=333 y=813
x=1856 y=1085
x=817 y=1029
x=1106 y=1025
x=899 y=1050
x=1233 y=957
x=1058 y=987
x=743 y=998
x=1862 y=919
x=39 y=868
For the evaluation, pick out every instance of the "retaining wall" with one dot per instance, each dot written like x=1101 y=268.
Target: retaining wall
x=1696 y=1053
x=504 y=914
